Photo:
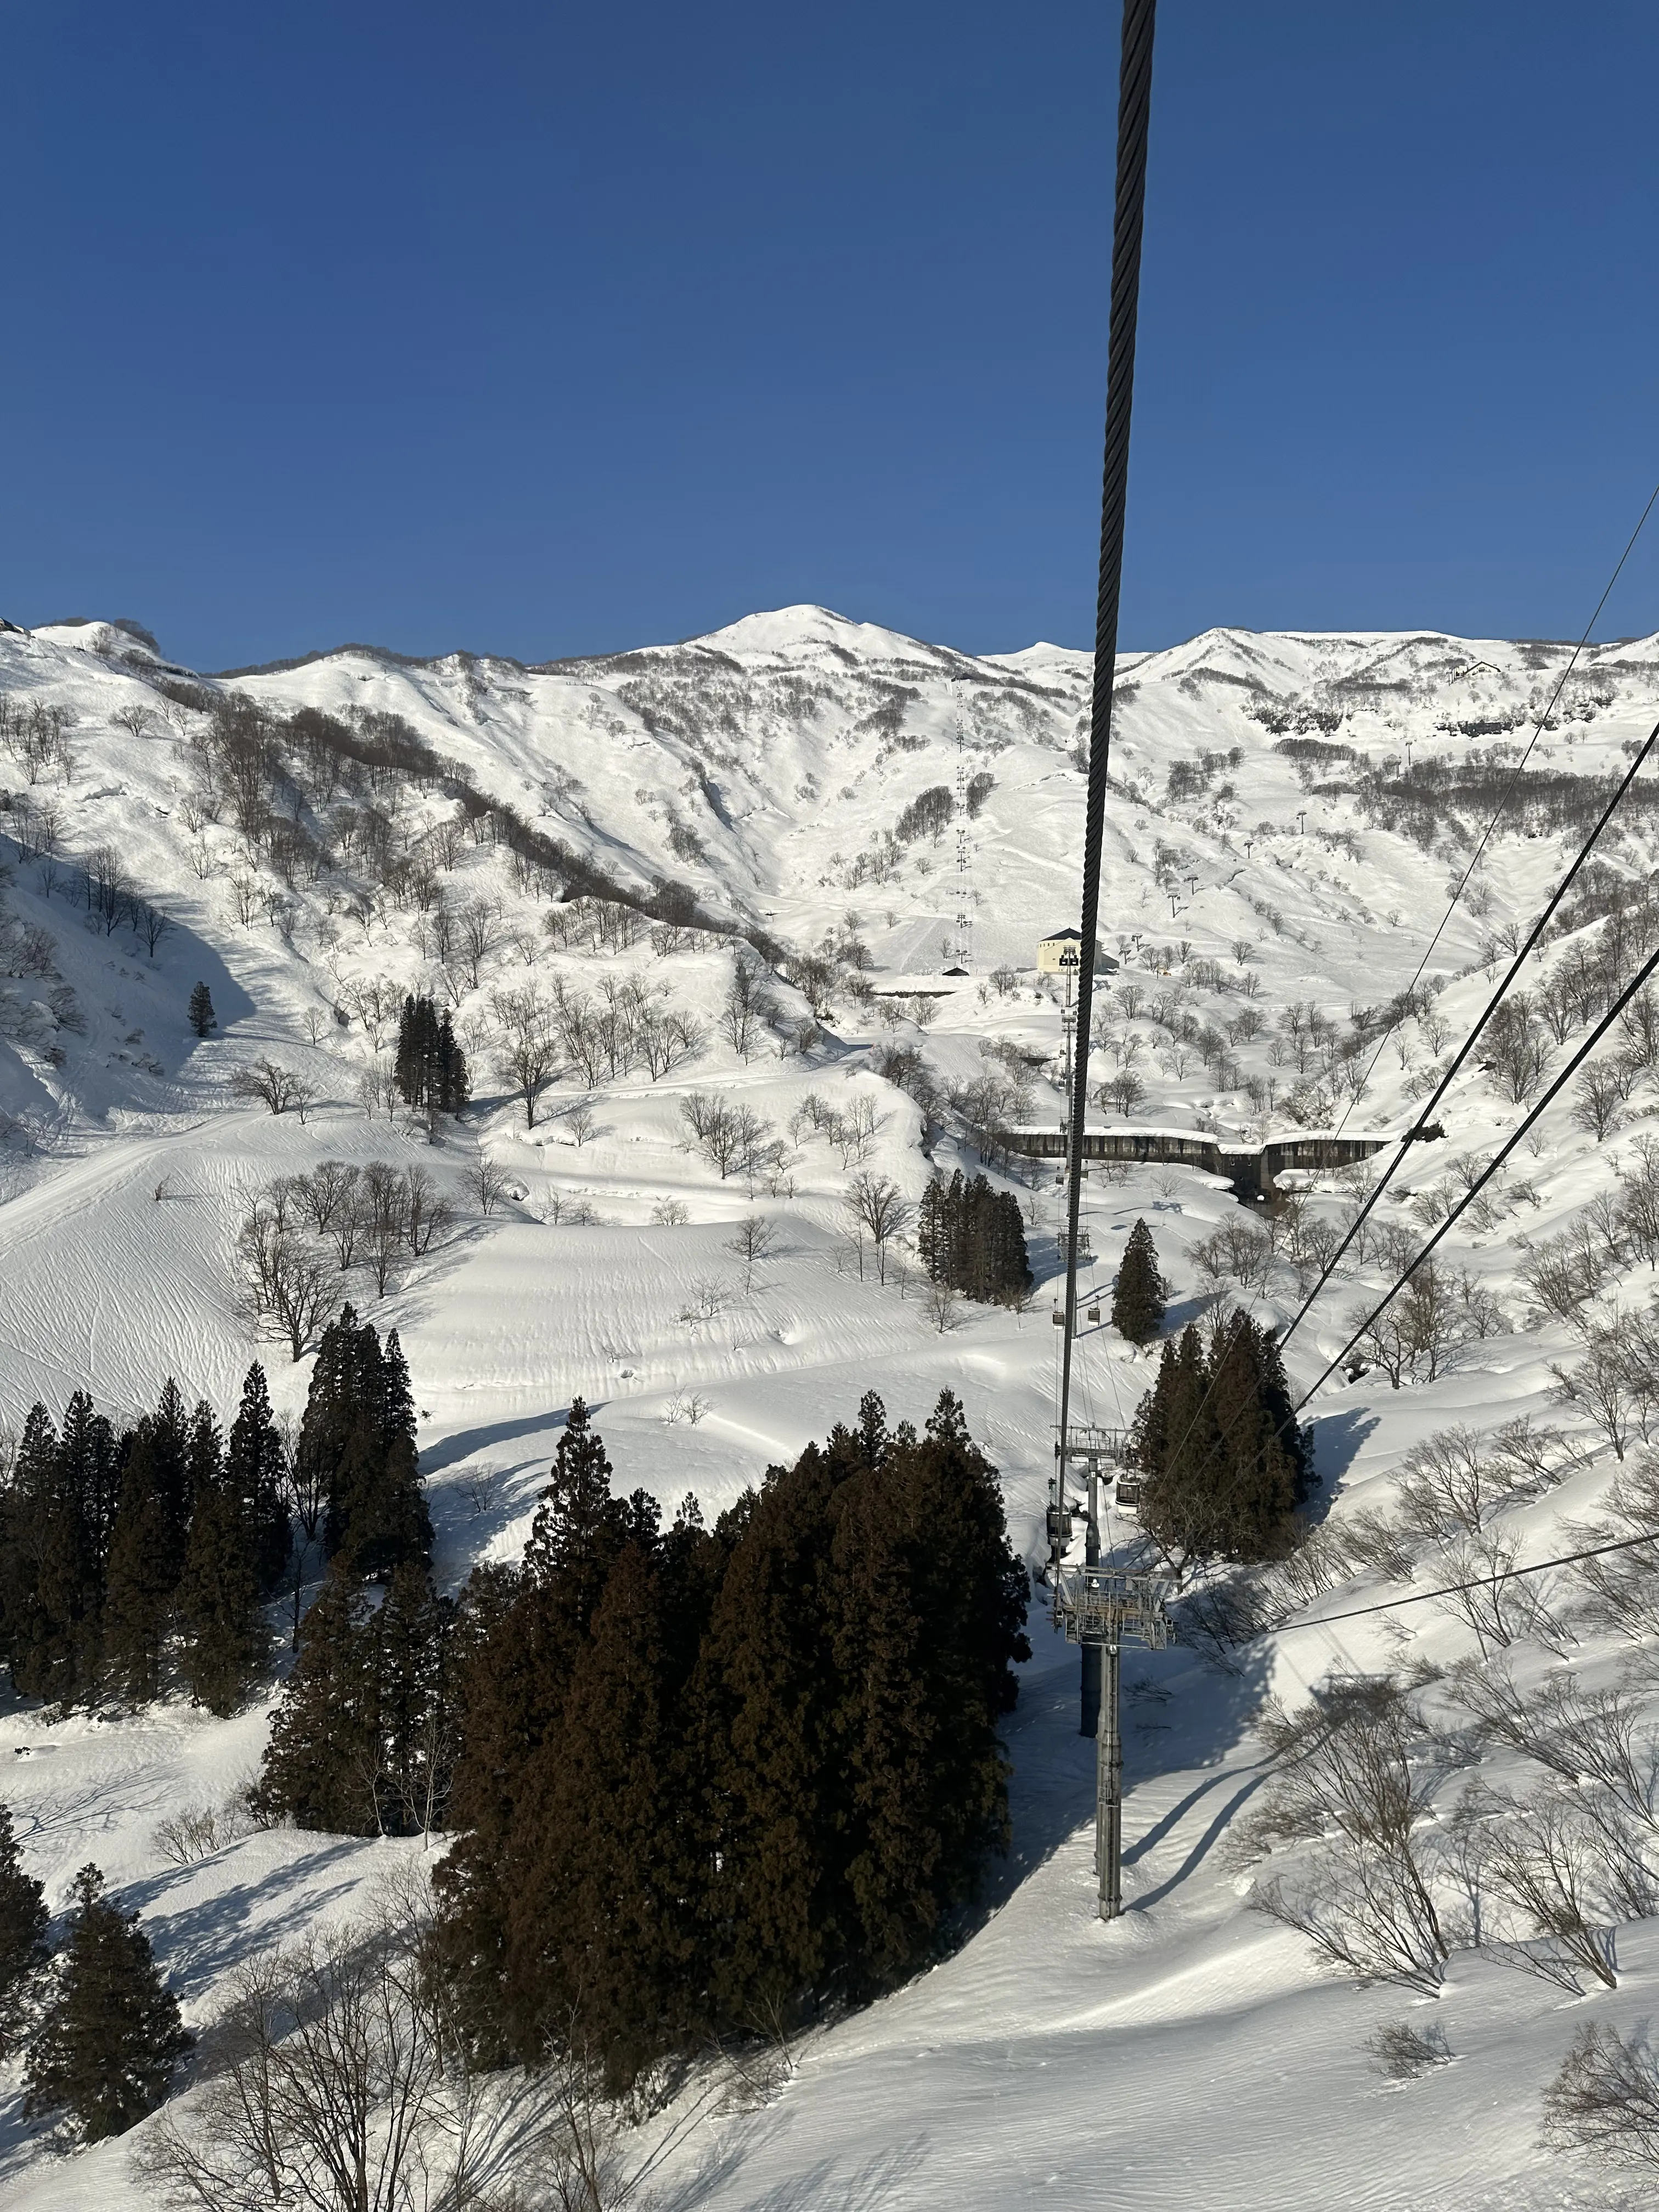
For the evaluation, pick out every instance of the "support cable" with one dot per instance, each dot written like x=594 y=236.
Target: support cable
x=1642 y=975
x=1446 y=1081
x=1454 y=1590
x=1541 y=724
x=1427 y=1111
x=1133 y=109
x=1134 y=102
x=1468 y=1198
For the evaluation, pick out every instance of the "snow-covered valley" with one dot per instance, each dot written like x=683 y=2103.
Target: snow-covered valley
x=1289 y=815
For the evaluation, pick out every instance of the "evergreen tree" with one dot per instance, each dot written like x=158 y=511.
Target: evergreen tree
x=1224 y=1463
x=223 y=1639
x=1139 y=1295
x=112 y=2037
x=363 y=1741
x=203 y=1018
x=765 y=1703
x=89 y=1463
x=430 y=1068
x=413 y=1661
x=972 y=1237
x=357 y=1447
x=578 y=1527
x=322 y=1763
x=23 y=1918
x=454 y=1083
x=141 y=1575
x=254 y=1468
x=706 y=1778
x=50 y=1569
x=602 y=1881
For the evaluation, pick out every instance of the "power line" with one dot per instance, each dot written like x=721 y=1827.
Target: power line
x=1452 y=1589
x=1468 y=1044
x=1491 y=1167
x=1536 y=932
x=1541 y=724
x=1468 y=1199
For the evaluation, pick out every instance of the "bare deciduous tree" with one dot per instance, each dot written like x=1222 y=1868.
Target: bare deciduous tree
x=1598 y=1098
x=490 y=1182
x=1351 y=1772
x=385 y=1220
x=1606 y=2098
x=753 y=1241
x=276 y=1087
x=880 y=1209
x=530 y=1049
x=283 y=1284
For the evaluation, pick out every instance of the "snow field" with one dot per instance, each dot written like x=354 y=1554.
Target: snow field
x=1190 y=2054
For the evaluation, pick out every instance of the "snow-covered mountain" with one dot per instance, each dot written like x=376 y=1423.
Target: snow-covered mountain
x=1289 y=815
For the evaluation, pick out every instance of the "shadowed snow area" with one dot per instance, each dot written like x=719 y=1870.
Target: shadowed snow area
x=1288 y=815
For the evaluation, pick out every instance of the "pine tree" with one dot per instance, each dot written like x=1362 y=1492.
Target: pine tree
x=50 y=1572
x=223 y=1640
x=1224 y=1463
x=112 y=2037
x=23 y=1918
x=765 y=1700
x=409 y=1064
x=203 y=1018
x=254 y=1468
x=413 y=1661
x=972 y=1237
x=1139 y=1295
x=454 y=1085
x=141 y=1575
x=357 y=1447
x=602 y=1879
x=89 y=1463
x=323 y=1764
x=172 y=1438
x=578 y=1527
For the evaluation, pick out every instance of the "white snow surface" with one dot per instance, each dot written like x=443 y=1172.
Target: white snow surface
x=1191 y=2055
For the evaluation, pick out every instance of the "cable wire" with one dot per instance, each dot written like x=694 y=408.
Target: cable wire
x=1445 y=1082
x=1135 y=104
x=1541 y=724
x=1480 y=1182
x=1452 y=1589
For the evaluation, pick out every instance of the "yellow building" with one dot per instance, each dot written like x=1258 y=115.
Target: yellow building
x=1062 y=952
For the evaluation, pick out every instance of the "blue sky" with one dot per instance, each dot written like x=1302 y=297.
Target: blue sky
x=544 y=329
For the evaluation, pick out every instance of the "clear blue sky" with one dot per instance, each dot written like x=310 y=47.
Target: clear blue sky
x=543 y=330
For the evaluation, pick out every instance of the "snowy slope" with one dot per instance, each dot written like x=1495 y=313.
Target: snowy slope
x=1192 y=2054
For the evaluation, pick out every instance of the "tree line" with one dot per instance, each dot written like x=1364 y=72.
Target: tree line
x=971 y=1238
x=700 y=1779
x=130 y=1558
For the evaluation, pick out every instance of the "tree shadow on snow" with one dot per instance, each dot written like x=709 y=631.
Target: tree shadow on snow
x=1336 y=1438
x=873 y=2184
x=201 y=1941
x=465 y=1441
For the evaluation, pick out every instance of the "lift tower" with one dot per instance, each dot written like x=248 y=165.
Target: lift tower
x=1104 y=1608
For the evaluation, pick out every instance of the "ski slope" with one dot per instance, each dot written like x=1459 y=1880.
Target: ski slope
x=1192 y=2054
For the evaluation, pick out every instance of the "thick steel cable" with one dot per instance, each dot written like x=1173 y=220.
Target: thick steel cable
x=1561 y=890
x=1134 y=111
x=1454 y=1590
x=1445 y=1082
x=1642 y=975
x=1509 y=790
x=1473 y=1192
